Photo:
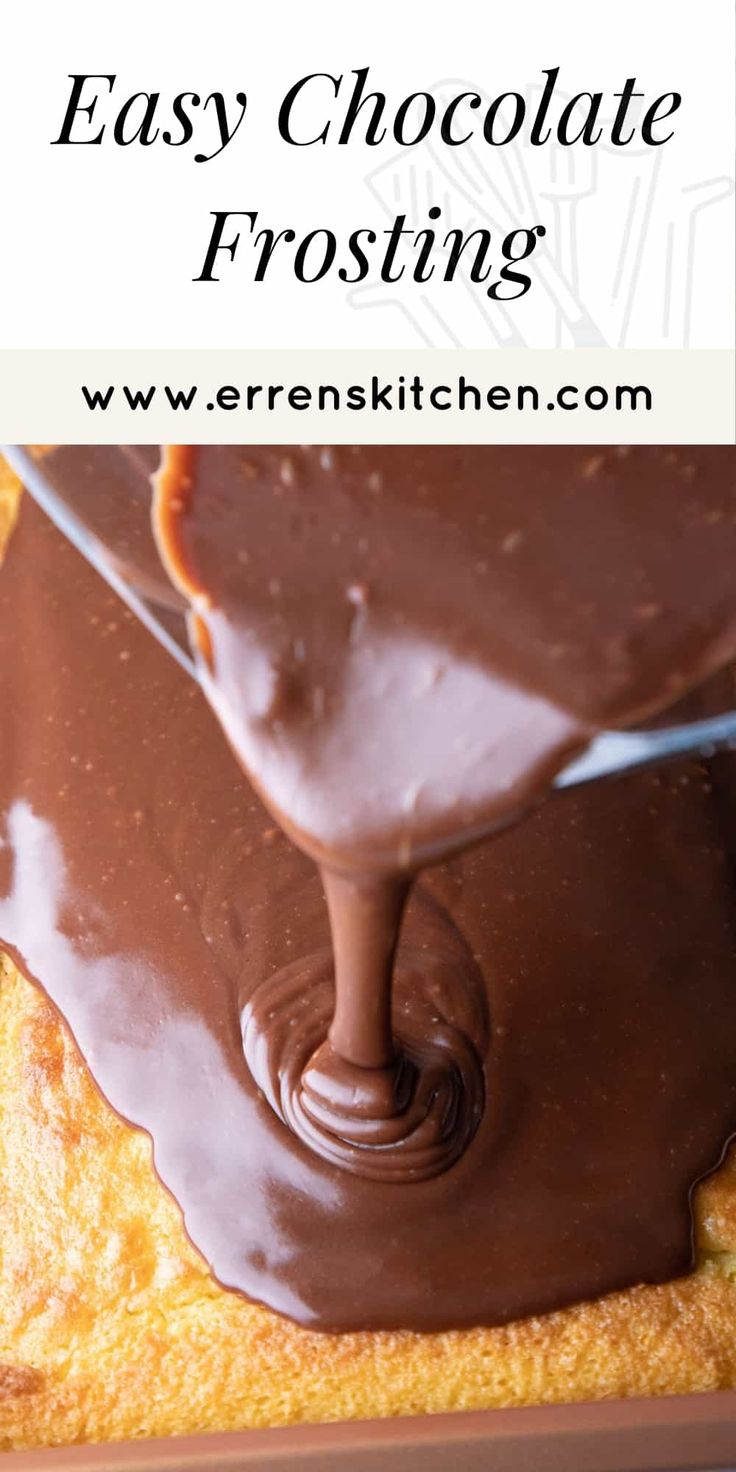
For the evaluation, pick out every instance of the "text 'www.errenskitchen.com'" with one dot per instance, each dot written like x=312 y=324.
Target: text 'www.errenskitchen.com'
x=404 y=394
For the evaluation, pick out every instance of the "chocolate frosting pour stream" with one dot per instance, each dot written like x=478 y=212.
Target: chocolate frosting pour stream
x=253 y=545
x=145 y=888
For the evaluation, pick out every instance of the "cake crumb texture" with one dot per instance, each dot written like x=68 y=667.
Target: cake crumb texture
x=112 y=1327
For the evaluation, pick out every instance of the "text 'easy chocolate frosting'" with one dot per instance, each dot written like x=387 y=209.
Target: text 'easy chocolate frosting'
x=402 y=646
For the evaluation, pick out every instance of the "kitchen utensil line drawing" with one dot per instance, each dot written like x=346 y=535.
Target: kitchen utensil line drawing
x=495 y=190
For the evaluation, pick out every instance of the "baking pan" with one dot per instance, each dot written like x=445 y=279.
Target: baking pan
x=674 y=1434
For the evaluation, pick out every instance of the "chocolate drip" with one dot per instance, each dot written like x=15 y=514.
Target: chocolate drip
x=364 y=923
x=391 y=1095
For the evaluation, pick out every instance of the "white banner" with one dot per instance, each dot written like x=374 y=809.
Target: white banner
x=246 y=177
x=388 y=396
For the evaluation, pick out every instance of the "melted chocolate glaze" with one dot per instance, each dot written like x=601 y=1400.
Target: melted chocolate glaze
x=587 y=954
x=406 y=642
x=388 y=709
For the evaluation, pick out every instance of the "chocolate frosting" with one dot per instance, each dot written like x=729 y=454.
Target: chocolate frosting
x=411 y=678
x=577 y=969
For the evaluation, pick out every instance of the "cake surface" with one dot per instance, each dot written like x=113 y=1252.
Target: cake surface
x=112 y=1326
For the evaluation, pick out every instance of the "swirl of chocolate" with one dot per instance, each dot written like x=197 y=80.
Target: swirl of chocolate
x=406 y=1121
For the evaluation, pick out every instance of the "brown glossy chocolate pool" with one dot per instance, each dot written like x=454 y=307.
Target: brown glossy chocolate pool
x=499 y=1102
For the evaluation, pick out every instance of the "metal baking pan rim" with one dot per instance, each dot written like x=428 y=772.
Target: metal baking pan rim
x=689 y=1433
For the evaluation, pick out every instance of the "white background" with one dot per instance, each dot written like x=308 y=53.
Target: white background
x=99 y=244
